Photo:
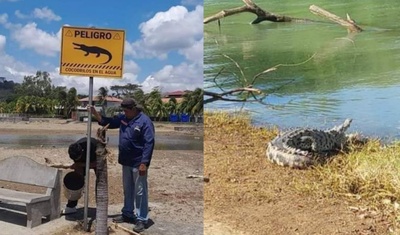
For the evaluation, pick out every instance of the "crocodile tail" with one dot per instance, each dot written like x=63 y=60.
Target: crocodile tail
x=109 y=58
x=293 y=158
x=343 y=127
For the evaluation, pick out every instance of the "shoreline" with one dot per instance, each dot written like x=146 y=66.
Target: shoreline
x=61 y=126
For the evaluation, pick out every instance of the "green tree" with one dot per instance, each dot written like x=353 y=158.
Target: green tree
x=71 y=101
x=192 y=103
x=154 y=104
x=37 y=85
x=125 y=90
x=172 y=106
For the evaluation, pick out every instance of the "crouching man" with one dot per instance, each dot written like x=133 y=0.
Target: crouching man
x=77 y=152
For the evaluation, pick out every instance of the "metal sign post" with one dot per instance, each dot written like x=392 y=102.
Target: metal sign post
x=89 y=134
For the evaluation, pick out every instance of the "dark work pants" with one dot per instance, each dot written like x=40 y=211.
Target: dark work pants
x=75 y=203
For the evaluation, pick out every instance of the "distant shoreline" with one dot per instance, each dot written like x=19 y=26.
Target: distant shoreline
x=61 y=126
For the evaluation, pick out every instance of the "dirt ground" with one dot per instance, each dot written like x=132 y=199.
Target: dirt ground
x=247 y=194
x=176 y=201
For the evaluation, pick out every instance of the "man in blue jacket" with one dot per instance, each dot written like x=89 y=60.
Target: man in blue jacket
x=136 y=144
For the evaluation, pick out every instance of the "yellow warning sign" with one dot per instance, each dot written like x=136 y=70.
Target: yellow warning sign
x=92 y=52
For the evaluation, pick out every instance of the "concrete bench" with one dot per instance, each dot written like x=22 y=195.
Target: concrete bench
x=23 y=170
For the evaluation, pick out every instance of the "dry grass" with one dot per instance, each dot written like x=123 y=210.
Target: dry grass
x=368 y=174
x=233 y=158
x=235 y=162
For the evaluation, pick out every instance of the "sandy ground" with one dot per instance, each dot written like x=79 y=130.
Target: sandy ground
x=176 y=202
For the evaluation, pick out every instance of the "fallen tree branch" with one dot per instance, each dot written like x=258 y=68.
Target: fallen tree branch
x=349 y=23
x=251 y=7
x=220 y=96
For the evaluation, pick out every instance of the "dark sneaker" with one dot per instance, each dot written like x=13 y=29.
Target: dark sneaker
x=123 y=219
x=139 y=227
x=68 y=211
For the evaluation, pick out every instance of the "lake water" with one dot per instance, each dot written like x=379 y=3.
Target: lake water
x=342 y=76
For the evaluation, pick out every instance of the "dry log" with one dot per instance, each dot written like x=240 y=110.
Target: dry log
x=251 y=7
x=349 y=23
x=125 y=229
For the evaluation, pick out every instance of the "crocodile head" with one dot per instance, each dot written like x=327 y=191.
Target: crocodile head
x=78 y=46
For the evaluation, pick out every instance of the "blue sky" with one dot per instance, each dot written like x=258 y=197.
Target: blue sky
x=163 y=40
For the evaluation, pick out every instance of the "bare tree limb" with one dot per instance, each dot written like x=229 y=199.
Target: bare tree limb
x=251 y=7
x=349 y=23
x=220 y=96
x=247 y=89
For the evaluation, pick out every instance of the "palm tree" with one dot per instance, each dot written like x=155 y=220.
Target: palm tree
x=172 y=106
x=155 y=105
x=192 y=103
x=62 y=101
x=3 y=107
x=197 y=101
x=101 y=183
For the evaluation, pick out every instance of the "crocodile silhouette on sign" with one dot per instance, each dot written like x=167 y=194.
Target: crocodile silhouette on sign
x=93 y=50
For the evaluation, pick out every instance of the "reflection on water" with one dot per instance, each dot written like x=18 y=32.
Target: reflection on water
x=348 y=76
x=163 y=142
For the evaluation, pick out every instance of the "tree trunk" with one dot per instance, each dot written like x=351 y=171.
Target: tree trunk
x=101 y=184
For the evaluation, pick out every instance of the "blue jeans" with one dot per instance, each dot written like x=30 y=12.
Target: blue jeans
x=136 y=203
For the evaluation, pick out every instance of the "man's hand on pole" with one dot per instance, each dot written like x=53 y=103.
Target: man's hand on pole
x=142 y=169
x=93 y=111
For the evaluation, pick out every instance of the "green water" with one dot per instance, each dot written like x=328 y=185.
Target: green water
x=340 y=75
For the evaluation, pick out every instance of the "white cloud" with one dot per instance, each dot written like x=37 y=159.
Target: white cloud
x=182 y=77
x=45 y=14
x=14 y=70
x=195 y=52
x=168 y=31
x=131 y=67
x=2 y=43
x=20 y=15
x=29 y=36
x=3 y=18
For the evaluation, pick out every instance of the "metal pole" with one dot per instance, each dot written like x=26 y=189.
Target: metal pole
x=89 y=135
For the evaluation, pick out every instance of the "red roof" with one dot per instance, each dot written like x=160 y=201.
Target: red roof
x=175 y=93
x=97 y=98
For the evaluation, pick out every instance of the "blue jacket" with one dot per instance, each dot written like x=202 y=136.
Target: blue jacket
x=136 y=138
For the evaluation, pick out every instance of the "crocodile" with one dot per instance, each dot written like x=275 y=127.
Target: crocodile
x=303 y=147
x=93 y=50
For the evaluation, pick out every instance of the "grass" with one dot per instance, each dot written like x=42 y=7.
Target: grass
x=368 y=174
